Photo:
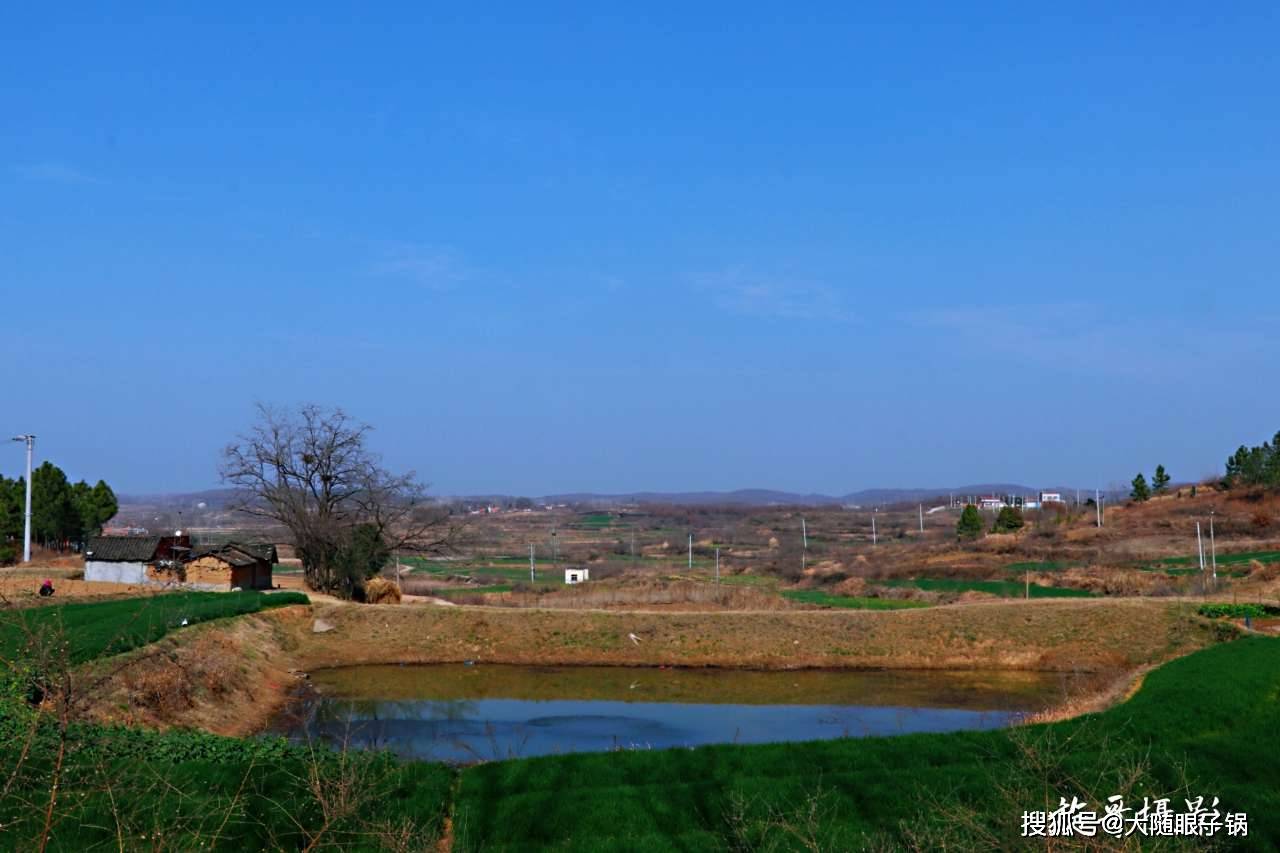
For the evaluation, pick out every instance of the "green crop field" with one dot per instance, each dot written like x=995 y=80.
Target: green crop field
x=826 y=599
x=472 y=590
x=1005 y=589
x=1041 y=566
x=1197 y=726
x=94 y=629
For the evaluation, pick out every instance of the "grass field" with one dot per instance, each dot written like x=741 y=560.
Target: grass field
x=199 y=791
x=94 y=629
x=1004 y=589
x=826 y=599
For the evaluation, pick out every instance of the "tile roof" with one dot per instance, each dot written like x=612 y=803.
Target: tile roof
x=123 y=549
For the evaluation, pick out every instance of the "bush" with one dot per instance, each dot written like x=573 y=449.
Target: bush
x=1238 y=611
x=8 y=555
x=1008 y=520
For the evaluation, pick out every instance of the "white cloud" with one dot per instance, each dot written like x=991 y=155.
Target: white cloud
x=56 y=173
x=432 y=267
x=742 y=292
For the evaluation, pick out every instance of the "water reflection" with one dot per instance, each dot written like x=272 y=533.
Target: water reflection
x=463 y=714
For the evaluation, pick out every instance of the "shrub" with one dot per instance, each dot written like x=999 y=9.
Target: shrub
x=1238 y=611
x=8 y=555
x=1008 y=520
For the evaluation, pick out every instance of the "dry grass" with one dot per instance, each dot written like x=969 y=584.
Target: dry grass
x=646 y=593
x=381 y=591
x=226 y=677
x=1091 y=635
x=1117 y=691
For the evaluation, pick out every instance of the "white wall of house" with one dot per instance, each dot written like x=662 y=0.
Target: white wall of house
x=113 y=572
x=576 y=575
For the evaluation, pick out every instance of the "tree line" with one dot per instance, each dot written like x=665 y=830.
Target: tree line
x=1255 y=466
x=63 y=514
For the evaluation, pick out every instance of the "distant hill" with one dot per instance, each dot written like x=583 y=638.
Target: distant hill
x=218 y=499
x=212 y=498
x=771 y=497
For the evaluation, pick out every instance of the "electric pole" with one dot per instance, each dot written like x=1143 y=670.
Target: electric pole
x=690 y=552
x=1200 y=550
x=717 y=567
x=921 y=508
x=532 y=579
x=1097 y=505
x=873 y=528
x=26 y=528
x=1213 y=550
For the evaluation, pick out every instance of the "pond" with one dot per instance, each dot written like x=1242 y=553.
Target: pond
x=464 y=713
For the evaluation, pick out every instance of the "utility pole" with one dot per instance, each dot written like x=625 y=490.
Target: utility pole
x=921 y=508
x=26 y=528
x=717 y=567
x=690 y=552
x=804 y=532
x=1097 y=505
x=1200 y=550
x=1213 y=550
x=532 y=579
x=873 y=528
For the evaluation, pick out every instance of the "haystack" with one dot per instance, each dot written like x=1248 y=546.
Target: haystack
x=381 y=591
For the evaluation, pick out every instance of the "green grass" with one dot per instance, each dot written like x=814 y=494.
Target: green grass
x=826 y=599
x=472 y=590
x=1204 y=715
x=593 y=521
x=1041 y=566
x=1237 y=611
x=95 y=629
x=1005 y=589
x=1203 y=719
x=118 y=786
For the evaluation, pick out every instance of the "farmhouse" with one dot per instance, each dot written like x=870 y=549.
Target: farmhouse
x=577 y=575
x=232 y=565
x=132 y=559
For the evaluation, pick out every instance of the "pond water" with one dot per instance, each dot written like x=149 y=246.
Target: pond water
x=462 y=713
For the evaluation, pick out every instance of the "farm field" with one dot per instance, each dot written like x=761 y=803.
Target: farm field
x=948 y=790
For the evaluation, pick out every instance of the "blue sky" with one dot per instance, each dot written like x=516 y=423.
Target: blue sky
x=549 y=247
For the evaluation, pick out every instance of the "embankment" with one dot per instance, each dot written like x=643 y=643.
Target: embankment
x=230 y=676
x=1050 y=635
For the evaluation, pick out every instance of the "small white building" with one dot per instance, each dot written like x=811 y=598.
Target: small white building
x=1051 y=498
x=577 y=575
x=991 y=503
x=131 y=559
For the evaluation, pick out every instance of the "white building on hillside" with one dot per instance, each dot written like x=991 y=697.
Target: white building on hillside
x=577 y=575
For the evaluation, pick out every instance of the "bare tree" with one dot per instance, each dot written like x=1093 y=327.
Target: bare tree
x=312 y=472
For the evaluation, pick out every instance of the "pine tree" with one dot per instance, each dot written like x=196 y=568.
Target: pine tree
x=1160 y=482
x=970 y=524
x=1008 y=520
x=1140 y=490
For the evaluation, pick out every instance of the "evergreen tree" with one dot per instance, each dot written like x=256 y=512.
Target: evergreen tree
x=1008 y=520
x=1160 y=482
x=54 y=519
x=970 y=524
x=1140 y=490
x=96 y=505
